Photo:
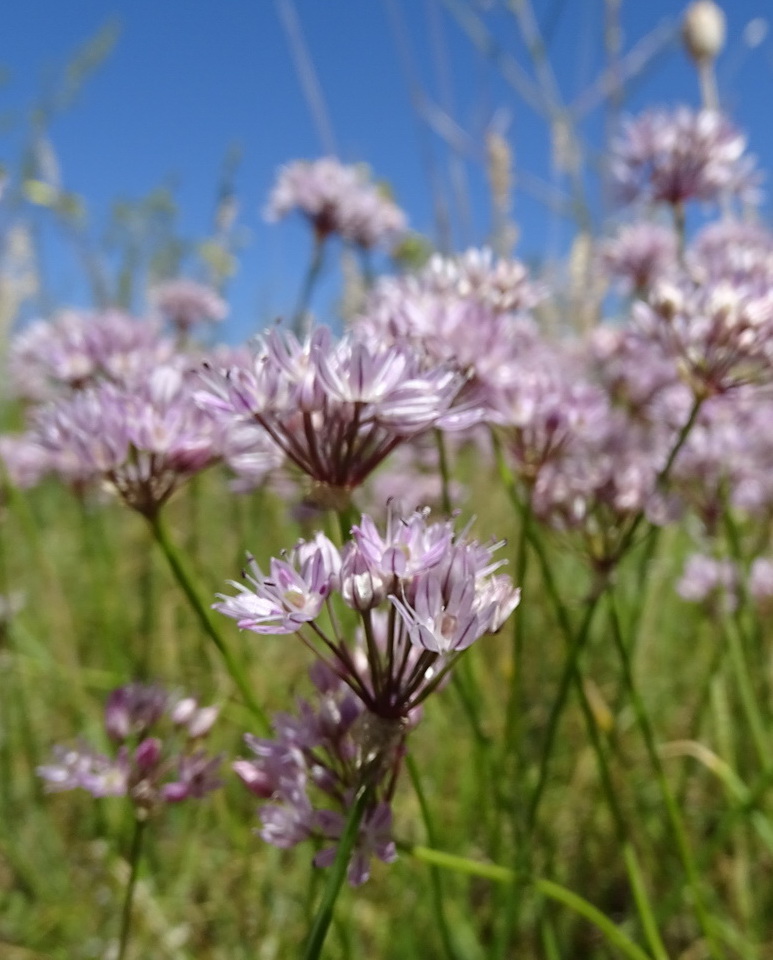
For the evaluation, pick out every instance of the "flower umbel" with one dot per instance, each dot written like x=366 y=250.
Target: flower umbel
x=149 y=769
x=422 y=593
x=337 y=409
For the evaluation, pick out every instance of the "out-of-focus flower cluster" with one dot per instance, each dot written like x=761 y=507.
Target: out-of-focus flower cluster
x=319 y=754
x=470 y=312
x=159 y=758
x=336 y=199
x=675 y=156
x=114 y=405
x=78 y=349
x=186 y=304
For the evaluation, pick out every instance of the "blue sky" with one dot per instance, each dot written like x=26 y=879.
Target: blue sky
x=188 y=79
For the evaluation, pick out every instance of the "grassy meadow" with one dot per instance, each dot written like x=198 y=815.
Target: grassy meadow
x=591 y=778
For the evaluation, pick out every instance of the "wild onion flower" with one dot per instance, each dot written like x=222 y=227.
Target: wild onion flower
x=675 y=156
x=470 y=313
x=422 y=594
x=704 y=30
x=186 y=303
x=411 y=477
x=78 y=349
x=306 y=774
x=720 y=331
x=705 y=578
x=545 y=411
x=25 y=462
x=734 y=250
x=639 y=376
x=336 y=199
x=159 y=755
x=760 y=581
x=502 y=284
x=727 y=461
x=337 y=409
x=638 y=255
x=142 y=439
x=586 y=463
x=438 y=588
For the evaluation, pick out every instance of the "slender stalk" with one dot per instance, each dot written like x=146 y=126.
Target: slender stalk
x=434 y=872
x=708 y=84
x=738 y=643
x=445 y=474
x=660 y=480
x=186 y=580
x=649 y=924
x=745 y=686
x=147 y=608
x=324 y=914
x=134 y=861
x=675 y=819
x=571 y=674
x=515 y=693
x=309 y=282
x=568 y=676
x=680 y=229
x=547 y=888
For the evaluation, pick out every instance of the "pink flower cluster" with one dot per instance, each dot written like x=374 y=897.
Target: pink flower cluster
x=681 y=155
x=422 y=595
x=148 y=769
x=336 y=199
x=337 y=409
x=186 y=303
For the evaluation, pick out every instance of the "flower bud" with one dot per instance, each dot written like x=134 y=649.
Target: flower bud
x=183 y=711
x=147 y=754
x=201 y=722
x=703 y=30
x=255 y=779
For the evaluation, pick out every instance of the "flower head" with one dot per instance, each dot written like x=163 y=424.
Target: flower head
x=307 y=775
x=676 y=156
x=336 y=199
x=79 y=349
x=468 y=313
x=149 y=769
x=143 y=438
x=438 y=582
x=638 y=255
x=185 y=303
x=337 y=409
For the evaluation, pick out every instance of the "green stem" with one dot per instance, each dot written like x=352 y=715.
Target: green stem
x=186 y=580
x=515 y=694
x=445 y=473
x=641 y=898
x=660 y=480
x=680 y=228
x=309 y=282
x=571 y=675
x=147 y=605
x=435 y=877
x=324 y=915
x=134 y=862
x=746 y=690
x=547 y=888
x=347 y=517
x=568 y=676
x=738 y=643
x=677 y=825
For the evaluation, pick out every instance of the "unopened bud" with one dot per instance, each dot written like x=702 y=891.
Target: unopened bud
x=703 y=30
